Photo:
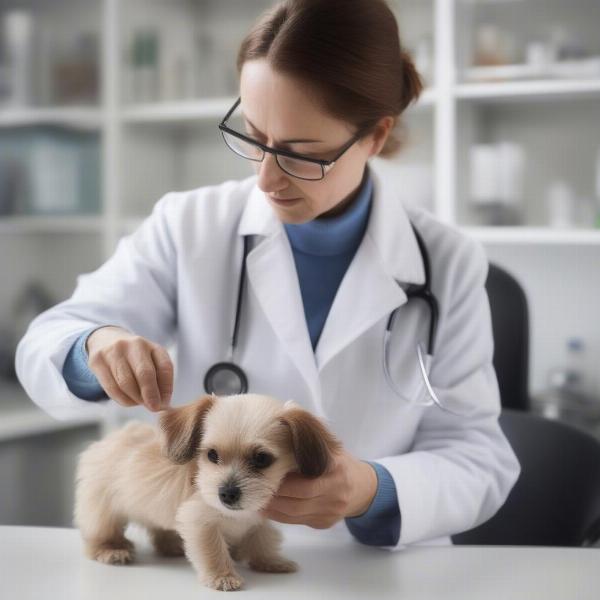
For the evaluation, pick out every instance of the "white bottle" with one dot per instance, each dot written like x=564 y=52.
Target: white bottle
x=17 y=31
x=484 y=187
x=597 y=190
x=561 y=205
x=512 y=163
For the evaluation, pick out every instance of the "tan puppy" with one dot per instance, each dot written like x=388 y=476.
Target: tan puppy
x=197 y=483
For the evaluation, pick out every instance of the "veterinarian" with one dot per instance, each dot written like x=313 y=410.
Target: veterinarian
x=303 y=278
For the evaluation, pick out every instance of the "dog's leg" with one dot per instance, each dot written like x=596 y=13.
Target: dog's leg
x=208 y=552
x=101 y=529
x=105 y=541
x=167 y=542
x=261 y=547
x=206 y=549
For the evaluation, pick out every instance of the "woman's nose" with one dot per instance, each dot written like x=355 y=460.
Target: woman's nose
x=270 y=177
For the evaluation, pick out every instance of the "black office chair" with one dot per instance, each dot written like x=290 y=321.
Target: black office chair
x=510 y=324
x=556 y=501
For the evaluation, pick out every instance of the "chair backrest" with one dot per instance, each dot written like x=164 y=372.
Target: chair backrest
x=510 y=323
x=556 y=500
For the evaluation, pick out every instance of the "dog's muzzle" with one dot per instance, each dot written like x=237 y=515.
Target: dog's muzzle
x=230 y=494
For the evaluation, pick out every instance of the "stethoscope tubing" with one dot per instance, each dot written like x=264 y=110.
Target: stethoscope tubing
x=228 y=366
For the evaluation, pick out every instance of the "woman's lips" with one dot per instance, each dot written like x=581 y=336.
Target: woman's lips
x=284 y=201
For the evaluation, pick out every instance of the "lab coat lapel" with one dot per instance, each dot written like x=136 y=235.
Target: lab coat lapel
x=272 y=275
x=387 y=256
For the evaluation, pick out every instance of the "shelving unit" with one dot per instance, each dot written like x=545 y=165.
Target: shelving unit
x=532 y=91
x=150 y=148
x=21 y=419
x=75 y=117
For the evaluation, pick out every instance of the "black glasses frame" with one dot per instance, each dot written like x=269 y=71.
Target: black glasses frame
x=325 y=165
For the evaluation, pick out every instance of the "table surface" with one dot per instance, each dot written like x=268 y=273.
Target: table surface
x=38 y=563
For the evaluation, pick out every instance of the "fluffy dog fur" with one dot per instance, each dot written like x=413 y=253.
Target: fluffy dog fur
x=197 y=482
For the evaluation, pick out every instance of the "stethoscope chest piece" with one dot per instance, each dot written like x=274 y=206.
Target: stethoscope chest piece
x=225 y=379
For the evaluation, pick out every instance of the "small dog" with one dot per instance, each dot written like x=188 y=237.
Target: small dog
x=197 y=483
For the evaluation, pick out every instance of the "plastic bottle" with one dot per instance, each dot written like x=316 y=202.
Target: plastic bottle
x=561 y=205
x=569 y=378
x=18 y=32
x=565 y=397
x=597 y=221
x=575 y=365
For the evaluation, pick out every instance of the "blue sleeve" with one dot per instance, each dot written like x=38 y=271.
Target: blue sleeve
x=80 y=380
x=380 y=524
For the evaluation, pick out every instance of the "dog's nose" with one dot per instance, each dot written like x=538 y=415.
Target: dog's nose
x=229 y=494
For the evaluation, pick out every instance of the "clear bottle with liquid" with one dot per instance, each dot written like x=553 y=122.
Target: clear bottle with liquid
x=565 y=397
x=570 y=378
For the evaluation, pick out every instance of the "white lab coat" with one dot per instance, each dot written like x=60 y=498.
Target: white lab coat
x=174 y=280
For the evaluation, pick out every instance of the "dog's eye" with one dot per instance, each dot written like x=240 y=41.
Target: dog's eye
x=213 y=456
x=262 y=460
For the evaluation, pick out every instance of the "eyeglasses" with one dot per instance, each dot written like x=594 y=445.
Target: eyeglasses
x=296 y=165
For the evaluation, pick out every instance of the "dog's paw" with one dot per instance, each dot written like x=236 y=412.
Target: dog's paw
x=273 y=565
x=114 y=552
x=114 y=556
x=229 y=582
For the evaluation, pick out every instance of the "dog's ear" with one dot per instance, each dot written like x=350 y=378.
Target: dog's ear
x=182 y=429
x=312 y=443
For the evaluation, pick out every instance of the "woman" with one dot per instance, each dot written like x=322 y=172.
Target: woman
x=331 y=254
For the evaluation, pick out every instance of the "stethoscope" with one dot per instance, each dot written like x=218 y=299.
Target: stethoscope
x=227 y=378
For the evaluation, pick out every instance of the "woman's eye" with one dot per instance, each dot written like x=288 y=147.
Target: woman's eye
x=213 y=456
x=262 y=460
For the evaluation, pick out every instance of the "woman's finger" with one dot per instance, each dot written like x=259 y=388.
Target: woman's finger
x=109 y=385
x=164 y=372
x=315 y=521
x=296 y=507
x=140 y=353
x=124 y=377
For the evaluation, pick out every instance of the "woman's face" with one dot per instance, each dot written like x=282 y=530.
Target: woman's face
x=276 y=109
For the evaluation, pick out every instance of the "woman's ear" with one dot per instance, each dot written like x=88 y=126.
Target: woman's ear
x=182 y=429
x=312 y=443
x=380 y=135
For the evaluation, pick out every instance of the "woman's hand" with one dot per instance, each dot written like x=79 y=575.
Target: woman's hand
x=346 y=490
x=130 y=369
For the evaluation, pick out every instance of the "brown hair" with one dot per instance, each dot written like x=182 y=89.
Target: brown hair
x=349 y=50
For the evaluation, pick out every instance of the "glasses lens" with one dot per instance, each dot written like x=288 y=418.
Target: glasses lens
x=243 y=148
x=300 y=168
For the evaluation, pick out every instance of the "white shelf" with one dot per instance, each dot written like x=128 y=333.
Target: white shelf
x=50 y=224
x=209 y=108
x=21 y=418
x=70 y=116
x=528 y=90
x=534 y=235
x=177 y=111
x=578 y=69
